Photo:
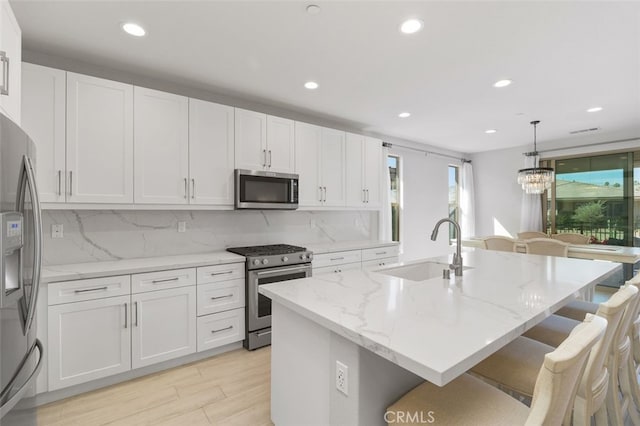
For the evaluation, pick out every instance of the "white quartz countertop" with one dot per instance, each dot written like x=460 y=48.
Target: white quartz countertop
x=321 y=248
x=439 y=328
x=77 y=271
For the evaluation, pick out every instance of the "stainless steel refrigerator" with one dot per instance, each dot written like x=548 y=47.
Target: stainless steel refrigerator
x=20 y=263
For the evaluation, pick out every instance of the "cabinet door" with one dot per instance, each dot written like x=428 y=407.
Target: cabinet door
x=280 y=145
x=164 y=325
x=332 y=167
x=251 y=140
x=88 y=340
x=99 y=140
x=307 y=150
x=373 y=171
x=356 y=194
x=43 y=118
x=11 y=45
x=211 y=156
x=161 y=147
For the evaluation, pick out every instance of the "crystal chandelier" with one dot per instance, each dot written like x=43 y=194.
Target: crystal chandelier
x=535 y=180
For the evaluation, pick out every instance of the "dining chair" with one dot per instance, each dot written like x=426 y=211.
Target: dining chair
x=513 y=368
x=499 y=243
x=527 y=235
x=470 y=401
x=546 y=246
x=571 y=238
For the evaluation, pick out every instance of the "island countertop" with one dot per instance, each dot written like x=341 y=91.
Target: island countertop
x=439 y=328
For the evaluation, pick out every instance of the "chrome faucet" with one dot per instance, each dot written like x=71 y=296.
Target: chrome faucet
x=456 y=265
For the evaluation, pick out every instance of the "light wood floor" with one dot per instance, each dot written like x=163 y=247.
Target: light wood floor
x=228 y=389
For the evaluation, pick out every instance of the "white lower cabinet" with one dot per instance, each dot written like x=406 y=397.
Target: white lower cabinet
x=88 y=340
x=220 y=329
x=164 y=325
x=342 y=261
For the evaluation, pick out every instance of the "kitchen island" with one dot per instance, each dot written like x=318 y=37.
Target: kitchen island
x=391 y=333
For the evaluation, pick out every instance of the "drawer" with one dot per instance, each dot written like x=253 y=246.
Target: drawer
x=218 y=297
x=336 y=269
x=372 y=264
x=217 y=273
x=162 y=280
x=89 y=289
x=220 y=329
x=337 y=258
x=380 y=253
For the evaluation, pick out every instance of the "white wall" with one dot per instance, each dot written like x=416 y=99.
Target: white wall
x=498 y=195
x=425 y=199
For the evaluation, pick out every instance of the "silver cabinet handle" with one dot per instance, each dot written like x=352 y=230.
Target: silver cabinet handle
x=269 y=158
x=320 y=198
x=221 y=329
x=135 y=305
x=381 y=253
x=165 y=280
x=367 y=196
x=336 y=258
x=126 y=315
x=4 y=89
x=59 y=183
x=185 y=188
x=70 y=183
x=213 y=274
x=264 y=158
x=193 y=188
x=324 y=188
x=221 y=297
x=364 y=196
x=87 y=290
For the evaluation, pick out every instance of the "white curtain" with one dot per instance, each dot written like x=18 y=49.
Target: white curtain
x=531 y=213
x=384 y=214
x=467 y=202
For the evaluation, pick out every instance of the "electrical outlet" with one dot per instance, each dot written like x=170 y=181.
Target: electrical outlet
x=182 y=226
x=342 y=378
x=57 y=231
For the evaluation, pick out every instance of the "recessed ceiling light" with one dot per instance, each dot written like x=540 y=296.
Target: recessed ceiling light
x=133 y=29
x=313 y=9
x=311 y=85
x=490 y=131
x=594 y=109
x=502 y=83
x=411 y=26
x=404 y=114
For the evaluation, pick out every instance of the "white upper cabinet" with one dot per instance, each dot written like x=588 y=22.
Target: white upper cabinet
x=332 y=167
x=161 y=148
x=308 y=141
x=99 y=140
x=10 y=60
x=264 y=142
x=43 y=118
x=250 y=140
x=280 y=145
x=363 y=174
x=211 y=153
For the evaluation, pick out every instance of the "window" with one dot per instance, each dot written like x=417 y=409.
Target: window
x=454 y=198
x=393 y=162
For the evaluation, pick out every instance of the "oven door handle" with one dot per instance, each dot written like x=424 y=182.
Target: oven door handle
x=281 y=270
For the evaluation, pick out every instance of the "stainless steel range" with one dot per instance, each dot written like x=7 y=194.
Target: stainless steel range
x=265 y=265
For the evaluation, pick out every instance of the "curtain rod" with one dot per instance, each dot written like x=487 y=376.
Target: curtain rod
x=390 y=145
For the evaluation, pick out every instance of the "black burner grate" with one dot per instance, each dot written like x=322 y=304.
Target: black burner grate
x=268 y=250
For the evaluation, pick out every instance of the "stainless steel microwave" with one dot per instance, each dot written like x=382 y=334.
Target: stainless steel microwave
x=266 y=190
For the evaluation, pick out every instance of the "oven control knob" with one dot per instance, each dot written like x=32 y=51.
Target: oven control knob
x=265 y=261
x=303 y=256
x=285 y=259
x=256 y=262
x=310 y=256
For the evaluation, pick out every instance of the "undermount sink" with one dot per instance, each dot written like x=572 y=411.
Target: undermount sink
x=418 y=271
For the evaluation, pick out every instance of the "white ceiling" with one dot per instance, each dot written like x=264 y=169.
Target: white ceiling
x=563 y=57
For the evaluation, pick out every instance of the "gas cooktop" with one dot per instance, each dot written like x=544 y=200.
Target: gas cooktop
x=268 y=250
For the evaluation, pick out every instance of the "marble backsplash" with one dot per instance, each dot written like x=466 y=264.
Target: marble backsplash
x=111 y=235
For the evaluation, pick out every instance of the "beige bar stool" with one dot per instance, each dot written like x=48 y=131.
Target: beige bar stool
x=571 y=238
x=546 y=247
x=499 y=243
x=527 y=235
x=468 y=401
x=619 y=394
x=513 y=367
